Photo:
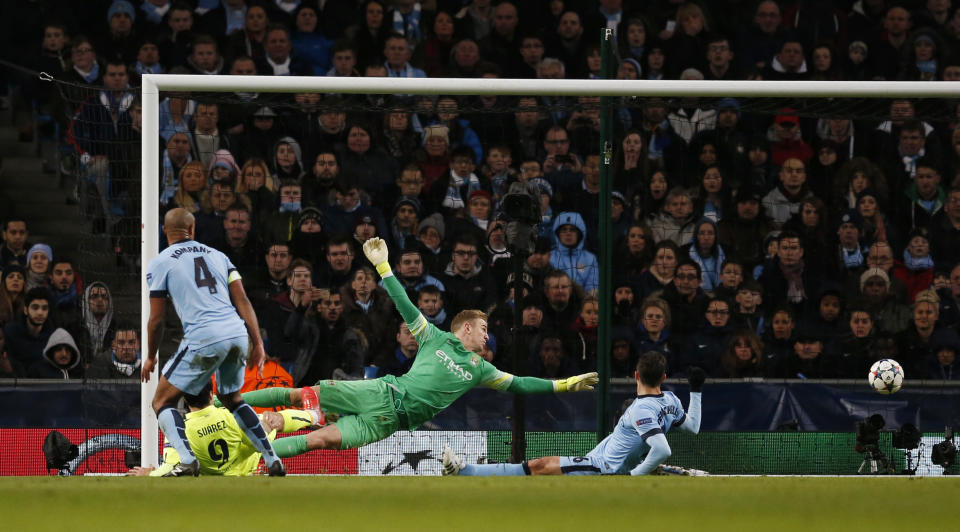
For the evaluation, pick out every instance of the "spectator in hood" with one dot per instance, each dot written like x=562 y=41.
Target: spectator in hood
x=570 y=256
x=98 y=325
x=287 y=159
x=61 y=359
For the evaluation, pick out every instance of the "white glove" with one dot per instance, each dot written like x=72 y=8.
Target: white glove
x=376 y=251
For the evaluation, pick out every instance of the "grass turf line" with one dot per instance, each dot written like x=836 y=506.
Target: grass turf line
x=591 y=504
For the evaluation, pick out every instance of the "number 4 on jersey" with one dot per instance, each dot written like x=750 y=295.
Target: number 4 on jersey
x=203 y=276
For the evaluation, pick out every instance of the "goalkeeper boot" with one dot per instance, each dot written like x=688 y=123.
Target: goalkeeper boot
x=452 y=463
x=276 y=469
x=185 y=470
x=310 y=402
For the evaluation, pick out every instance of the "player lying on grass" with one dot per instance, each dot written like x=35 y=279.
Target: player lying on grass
x=447 y=365
x=640 y=431
x=219 y=443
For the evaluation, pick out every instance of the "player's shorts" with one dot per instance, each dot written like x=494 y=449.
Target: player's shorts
x=366 y=408
x=580 y=465
x=190 y=370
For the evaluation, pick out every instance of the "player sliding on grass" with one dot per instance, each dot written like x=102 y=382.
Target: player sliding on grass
x=447 y=365
x=219 y=443
x=640 y=431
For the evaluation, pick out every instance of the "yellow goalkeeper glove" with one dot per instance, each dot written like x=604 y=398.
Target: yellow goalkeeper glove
x=376 y=251
x=577 y=383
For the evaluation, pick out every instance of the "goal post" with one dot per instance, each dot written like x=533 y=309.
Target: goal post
x=153 y=84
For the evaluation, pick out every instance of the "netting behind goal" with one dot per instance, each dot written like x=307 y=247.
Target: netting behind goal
x=368 y=165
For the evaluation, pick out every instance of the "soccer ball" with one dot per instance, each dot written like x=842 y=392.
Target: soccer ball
x=886 y=376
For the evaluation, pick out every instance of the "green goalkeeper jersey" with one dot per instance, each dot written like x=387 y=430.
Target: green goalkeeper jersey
x=444 y=369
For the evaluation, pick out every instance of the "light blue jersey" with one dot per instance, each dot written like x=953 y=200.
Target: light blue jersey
x=626 y=446
x=196 y=277
x=637 y=446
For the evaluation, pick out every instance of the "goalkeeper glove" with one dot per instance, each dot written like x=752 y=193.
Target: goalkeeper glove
x=696 y=378
x=577 y=383
x=376 y=251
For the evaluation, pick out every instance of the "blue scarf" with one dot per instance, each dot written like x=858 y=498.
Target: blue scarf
x=287 y=8
x=235 y=18
x=852 y=259
x=497 y=183
x=365 y=306
x=927 y=67
x=407 y=71
x=126 y=369
x=206 y=5
x=916 y=264
x=910 y=162
x=169 y=178
x=409 y=25
x=623 y=114
x=453 y=199
x=153 y=13
x=658 y=142
x=91 y=76
x=637 y=51
x=438 y=319
x=155 y=69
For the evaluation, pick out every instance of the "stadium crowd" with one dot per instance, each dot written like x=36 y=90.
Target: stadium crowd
x=748 y=241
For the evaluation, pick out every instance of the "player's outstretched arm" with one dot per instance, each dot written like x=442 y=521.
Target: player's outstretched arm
x=503 y=381
x=691 y=422
x=659 y=452
x=239 y=298
x=376 y=251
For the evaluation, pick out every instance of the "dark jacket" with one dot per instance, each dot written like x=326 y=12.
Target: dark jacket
x=378 y=324
x=396 y=365
x=47 y=368
x=273 y=319
x=685 y=315
x=663 y=345
x=477 y=290
x=704 y=349
x=329 y=353
x=775 y=285
x=24 y=349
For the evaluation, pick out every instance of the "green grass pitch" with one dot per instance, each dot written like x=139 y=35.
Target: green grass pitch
x=585 y=504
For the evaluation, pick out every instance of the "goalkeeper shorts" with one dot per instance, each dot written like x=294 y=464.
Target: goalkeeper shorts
x=365 y=407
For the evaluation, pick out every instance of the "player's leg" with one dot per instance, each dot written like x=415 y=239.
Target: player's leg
x=306 y=398
x=548 y=465
x=453 y=464
x=229 y=381
x=168 y=417
x=564 y=465
x=366 y=415
x=328 y=437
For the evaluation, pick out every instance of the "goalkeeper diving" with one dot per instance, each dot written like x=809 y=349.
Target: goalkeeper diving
x=637 y=446
x=220 y=444
x=447 y=365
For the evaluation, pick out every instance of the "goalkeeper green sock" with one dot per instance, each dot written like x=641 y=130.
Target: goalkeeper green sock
x=290 y=446
x=268 y=397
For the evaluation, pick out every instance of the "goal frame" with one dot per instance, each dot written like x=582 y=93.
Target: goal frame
x=153 y=84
